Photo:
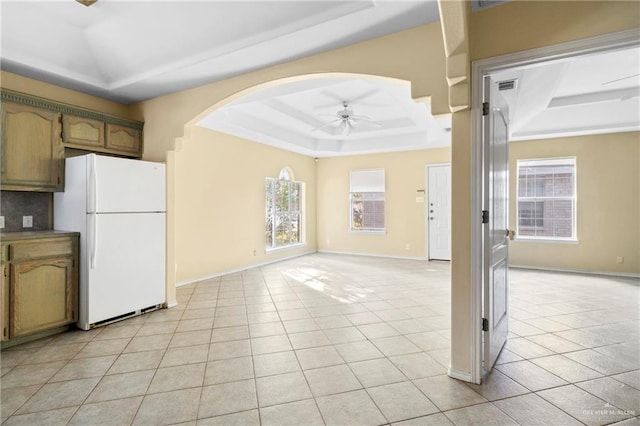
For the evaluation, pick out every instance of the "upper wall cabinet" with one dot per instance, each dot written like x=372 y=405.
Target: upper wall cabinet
x=32 y=152
x=99 y=136
x=124 y=139
x=84 y=132
x=35 y=132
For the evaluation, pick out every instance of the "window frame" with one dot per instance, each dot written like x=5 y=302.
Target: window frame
x=551 y=161
x=380 y=196
x=273 y=213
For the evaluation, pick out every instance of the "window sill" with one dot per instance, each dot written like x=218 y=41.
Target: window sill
x=282 y=248
x=353 y=231
x=546 y=240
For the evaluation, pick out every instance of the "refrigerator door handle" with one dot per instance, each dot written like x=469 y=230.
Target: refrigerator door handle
x=93 y=183
x=93 y=235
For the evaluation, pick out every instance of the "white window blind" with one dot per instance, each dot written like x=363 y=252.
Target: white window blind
x=366 y=180
x=546 y=199
x=367 y=200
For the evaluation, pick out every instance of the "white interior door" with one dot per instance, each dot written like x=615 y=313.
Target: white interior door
x=495 y=222
x=439 y=212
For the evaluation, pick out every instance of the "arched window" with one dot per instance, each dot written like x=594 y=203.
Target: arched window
x=283 y=210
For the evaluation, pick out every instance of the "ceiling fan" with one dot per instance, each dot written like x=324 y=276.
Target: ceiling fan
x=346 y=120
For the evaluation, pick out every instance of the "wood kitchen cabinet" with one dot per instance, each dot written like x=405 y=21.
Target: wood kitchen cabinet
x=124 y=139
x=83 y=133
x=32 y=150
x=4 y=294
x=97 y=136
x=40 y=282
x=36 y=131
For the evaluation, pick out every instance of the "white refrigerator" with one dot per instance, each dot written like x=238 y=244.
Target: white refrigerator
x=118 y=206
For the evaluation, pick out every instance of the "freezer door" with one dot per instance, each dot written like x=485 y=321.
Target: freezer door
x=120 y=185
x=126 y=264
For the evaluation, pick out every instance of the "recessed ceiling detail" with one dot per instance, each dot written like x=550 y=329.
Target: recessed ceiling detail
x=309 y=117
x=589 y=94
x=130 y=51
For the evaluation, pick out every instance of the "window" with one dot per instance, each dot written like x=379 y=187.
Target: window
x=366 y=195
x=547 y=199
x=283 y=211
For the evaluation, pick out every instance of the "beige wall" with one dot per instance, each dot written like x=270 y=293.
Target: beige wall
x=404 y=217
x=59 y=94
x=522 y=25
x=220 y=199
x=415 y=55
x=608 y=204
x=510 y=28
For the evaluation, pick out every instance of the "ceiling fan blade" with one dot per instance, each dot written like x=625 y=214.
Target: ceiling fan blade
x=337 y=100
x=326 y=124
x=365 y=95
x=365 y=119
x=620 y=79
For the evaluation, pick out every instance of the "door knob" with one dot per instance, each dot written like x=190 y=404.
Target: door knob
x=511 y=234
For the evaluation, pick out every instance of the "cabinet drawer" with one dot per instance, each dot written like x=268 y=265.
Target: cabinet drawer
x=40 y=249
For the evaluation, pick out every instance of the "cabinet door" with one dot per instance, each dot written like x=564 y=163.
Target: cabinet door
x=124 y=139
x=42 y=295
x=32 y=152
x=82 y=131
x=4 y=292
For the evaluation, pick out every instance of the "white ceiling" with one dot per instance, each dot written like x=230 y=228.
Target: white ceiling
x=303 y=117
x=594 y=93
x=135 y=50
x=129 y=51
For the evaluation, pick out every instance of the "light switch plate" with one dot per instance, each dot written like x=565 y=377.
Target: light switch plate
x=27 y=221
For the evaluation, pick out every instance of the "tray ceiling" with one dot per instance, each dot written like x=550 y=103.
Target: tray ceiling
x=130 y=51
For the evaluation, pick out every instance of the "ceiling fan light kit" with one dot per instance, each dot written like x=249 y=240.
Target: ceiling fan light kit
x=346 y=120
x=86 y=2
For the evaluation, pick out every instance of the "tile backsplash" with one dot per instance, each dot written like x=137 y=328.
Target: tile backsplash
x=15 y=204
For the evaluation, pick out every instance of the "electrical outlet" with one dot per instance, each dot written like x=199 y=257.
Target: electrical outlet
x=1 y=222
x=620 y=259
x=27 y=221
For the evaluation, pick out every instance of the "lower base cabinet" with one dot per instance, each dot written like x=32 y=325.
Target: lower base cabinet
x=39 y=284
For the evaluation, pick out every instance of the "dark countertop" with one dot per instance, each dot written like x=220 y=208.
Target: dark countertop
x=27 y=235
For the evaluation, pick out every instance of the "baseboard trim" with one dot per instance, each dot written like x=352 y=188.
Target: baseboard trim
x=172 y=303
x=244 y=268
x=460 y=375
x=372 y=255
x=576 y=271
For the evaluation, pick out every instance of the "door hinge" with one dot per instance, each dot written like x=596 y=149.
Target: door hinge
x=485 y=108
x=4 y=272
x=4 y=331
x=485 y=324
x=485 y=216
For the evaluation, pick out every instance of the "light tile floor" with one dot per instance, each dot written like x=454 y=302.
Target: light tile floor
x=328 y=339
